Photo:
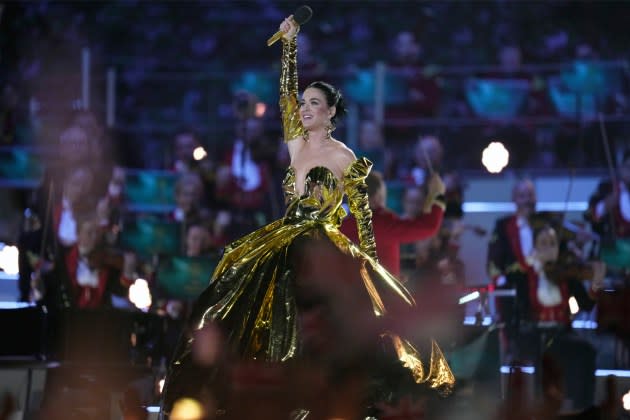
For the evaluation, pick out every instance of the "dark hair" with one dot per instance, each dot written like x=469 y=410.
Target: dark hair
x=333 y=98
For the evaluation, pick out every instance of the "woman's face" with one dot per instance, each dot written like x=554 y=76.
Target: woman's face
x=314 y=111
x=195 y=241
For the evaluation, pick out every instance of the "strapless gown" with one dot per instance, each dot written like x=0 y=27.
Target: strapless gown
x=266 y=278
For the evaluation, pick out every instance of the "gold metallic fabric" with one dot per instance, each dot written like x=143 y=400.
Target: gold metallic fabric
x=439 y=376
x=289 y=103
x=356 y=189
x=252 y=291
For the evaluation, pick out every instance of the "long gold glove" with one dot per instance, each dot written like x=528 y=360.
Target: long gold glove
x=289 y=104
x=356 y=190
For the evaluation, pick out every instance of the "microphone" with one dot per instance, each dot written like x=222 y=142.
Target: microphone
x=301 y=16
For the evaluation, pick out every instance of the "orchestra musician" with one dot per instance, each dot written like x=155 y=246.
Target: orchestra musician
x=527 y=252
x=609 y=216
x=549 y=283
x=609 y=206
x=96 y=276
x=509 y=246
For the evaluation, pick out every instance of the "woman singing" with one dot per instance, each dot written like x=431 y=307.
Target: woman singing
x=297 y=291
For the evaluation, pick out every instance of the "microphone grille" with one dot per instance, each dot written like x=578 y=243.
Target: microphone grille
x=302 y=14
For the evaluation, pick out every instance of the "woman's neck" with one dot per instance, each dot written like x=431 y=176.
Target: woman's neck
x=319 y=135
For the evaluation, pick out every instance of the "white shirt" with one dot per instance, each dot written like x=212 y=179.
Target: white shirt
x=67 y=225
x=85 y=276
x=526 y=236
x=526 y=239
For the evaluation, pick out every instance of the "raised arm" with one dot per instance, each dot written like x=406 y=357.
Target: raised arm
x=289 y=103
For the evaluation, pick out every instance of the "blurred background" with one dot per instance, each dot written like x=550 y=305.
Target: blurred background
x=138 y=138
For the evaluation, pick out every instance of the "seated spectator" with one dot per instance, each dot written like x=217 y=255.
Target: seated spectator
x=372 y=145
x=197 y=240
x=188 y=198
x=422 y=87
x=185 y=142
x=219 y=233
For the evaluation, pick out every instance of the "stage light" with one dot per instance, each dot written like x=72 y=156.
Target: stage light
x=626 y=401
x=199 y=153
x=9 y=259
x=469 y=297
x=187 y=409
x=140 y=295
x=260 y=110
x=573 y=306
x=529 y=370
x=495 y=157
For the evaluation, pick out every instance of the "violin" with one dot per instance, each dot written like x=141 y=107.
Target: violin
x=572 y=267
x=566 y=269
x=106 y=257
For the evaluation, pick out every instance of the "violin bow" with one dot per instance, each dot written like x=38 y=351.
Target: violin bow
x=611 y=166
x=426 y=157
x=37 y=283
x=427 y=205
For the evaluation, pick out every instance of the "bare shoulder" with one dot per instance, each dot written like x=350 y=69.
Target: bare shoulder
x=344 y=156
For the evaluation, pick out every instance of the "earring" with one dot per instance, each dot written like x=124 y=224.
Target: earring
x=329 y=129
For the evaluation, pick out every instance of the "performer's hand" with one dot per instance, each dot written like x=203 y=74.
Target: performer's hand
x=289 y=27
x=436 y=186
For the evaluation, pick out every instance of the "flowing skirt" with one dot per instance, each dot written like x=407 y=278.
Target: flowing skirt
x=297 y=293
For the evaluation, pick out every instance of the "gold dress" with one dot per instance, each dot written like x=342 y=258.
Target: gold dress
x=260 y=285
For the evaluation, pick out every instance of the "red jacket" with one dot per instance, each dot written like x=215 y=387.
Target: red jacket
x=93 y=297
x=391 y=231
